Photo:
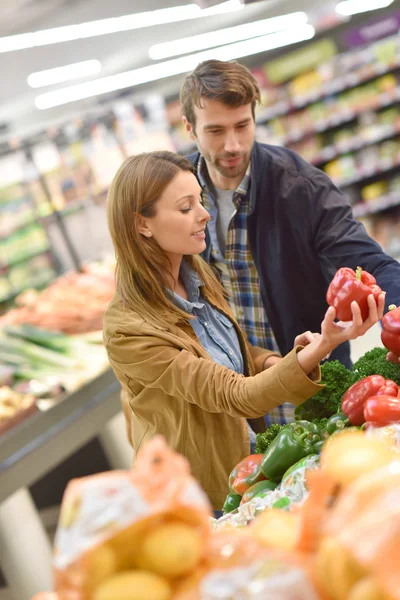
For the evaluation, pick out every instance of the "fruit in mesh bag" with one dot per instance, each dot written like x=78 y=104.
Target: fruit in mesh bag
x=134 y=585
x=171 y=550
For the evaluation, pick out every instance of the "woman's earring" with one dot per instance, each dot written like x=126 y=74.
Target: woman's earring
x=148 y=233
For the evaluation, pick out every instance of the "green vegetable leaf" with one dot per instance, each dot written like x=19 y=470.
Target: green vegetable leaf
x=374 y=363
x=264 y=439
x=327 y=402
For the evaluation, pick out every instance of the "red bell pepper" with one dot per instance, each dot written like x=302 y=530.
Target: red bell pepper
x=354 y=399
x=246 y=473
x=390 y=334
x=382 y=410
x=349 y=285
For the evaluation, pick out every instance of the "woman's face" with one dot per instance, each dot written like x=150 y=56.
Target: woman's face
x=180 y=218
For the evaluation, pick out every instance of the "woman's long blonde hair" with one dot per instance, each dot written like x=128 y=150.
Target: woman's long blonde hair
x=141 y=263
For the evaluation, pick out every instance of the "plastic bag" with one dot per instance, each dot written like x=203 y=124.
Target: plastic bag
x=365 y=522
x=105 y=519
x=238 y=567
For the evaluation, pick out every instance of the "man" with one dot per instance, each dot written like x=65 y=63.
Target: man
x=280 y=228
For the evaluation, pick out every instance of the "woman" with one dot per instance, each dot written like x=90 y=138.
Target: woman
x=185 y=367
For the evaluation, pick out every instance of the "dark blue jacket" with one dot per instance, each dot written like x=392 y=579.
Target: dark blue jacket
x=300 y=231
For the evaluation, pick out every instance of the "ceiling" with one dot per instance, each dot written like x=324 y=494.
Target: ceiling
x=117 y=52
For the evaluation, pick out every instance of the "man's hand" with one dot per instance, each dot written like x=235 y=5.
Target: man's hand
x=270 y=362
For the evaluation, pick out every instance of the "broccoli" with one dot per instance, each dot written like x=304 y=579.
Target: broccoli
x=374 y=363
x=264 y=439
x=320 y=423
x=324 y=404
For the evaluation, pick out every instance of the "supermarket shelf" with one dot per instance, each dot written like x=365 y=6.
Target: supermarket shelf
x=331 y=152
x=43 y=441
x=21 y=227
x=346 y=116
x=336 y=86
x=377 y=205
x=381 y=168
x=6 y=266
x=34 y=283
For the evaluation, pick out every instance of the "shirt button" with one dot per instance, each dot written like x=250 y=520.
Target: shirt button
x=230 y=352
x=205 y=324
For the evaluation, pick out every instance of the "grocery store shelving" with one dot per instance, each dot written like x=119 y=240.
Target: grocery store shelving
x=377 y=205
x=341 y=84
x=346 y=116
x=381 y=134
x=24 y=258
x=381 y=168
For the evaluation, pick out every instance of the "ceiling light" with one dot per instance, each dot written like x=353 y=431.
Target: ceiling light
x=226 y=36
x=114 y=25
x=172 y=67
x=354 y=7
x=61 y=74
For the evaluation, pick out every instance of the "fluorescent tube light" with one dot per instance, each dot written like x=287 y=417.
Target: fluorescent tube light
x=226 y=36
x=354 y=7
x=69 y=33
x=61 y=74
x=172 y=67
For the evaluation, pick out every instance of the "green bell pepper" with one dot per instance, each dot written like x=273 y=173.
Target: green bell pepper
x=255 y=489
x=318 y=446
x=287 y=448
x=232 y=502
x=304 y=425
x=338 y=421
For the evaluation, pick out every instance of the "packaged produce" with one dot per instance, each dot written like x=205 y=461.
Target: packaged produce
x=349 y=454
x=390 y=334
x=391 y=433
x=348 y=286
x=294 y=479
x=245 y=474
x=239 y=566
x=140 y=530
x=360 y=551
x=354 y=399
x=257 y=489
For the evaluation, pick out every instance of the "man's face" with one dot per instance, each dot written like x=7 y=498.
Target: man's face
x=225 y=138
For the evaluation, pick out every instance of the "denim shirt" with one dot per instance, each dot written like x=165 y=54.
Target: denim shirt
x=216 y=332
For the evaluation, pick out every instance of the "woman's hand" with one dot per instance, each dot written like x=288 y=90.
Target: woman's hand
x=307 y=338
x=334 y=334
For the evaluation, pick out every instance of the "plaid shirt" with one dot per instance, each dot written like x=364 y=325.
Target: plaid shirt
x=239 y=275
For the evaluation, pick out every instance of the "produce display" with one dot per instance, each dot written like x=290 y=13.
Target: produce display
x=14 y=405
x=148 y=533
x=51 y=343
x=38 y=364
x=74 y=303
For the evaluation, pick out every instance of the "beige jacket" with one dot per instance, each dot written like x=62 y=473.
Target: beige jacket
x=171 y=386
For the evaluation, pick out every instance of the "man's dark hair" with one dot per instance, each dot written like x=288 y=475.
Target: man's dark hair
x=229 y=82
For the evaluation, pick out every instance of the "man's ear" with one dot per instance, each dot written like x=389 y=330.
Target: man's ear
x=189 y=128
